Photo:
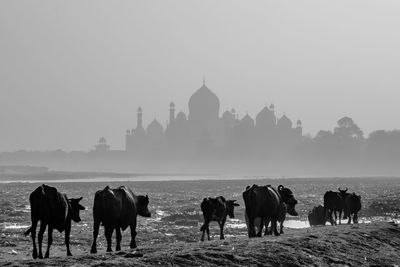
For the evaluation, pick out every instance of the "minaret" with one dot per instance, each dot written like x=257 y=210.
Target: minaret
x=139 y=118
x=171 y=112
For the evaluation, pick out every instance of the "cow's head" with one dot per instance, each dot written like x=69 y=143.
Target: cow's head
x=230 y=206
x=142 y=206
x=288 y=198
x=75 y=208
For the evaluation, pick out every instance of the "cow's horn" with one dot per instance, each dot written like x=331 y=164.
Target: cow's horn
x=147 y=197
x=79 y=199
x=280 y=187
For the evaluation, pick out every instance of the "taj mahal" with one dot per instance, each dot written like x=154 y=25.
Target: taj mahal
x=204 y=132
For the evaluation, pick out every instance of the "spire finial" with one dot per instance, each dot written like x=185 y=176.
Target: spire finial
x=204 y=80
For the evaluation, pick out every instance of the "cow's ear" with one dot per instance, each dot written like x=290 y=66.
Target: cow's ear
x=236 y=204
x=147 y=197
x=80 y=207
x=79 y=199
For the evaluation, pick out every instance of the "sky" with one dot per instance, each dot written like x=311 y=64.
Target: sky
x=73 y=71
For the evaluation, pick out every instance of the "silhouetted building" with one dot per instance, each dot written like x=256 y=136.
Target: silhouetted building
x=204 y=132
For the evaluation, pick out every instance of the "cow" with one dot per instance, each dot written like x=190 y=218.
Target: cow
x=282 y=210
x=117 y=209
x=54 y=210
x=317 y=216
x=216 y=209
x=335 y=202
x=352 y=206
x=266 y=203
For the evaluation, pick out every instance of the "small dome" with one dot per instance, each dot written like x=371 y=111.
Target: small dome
x=172 y=105
x=285 y=122
x=298 y=123
x=181 y=116
x=155 y=127
x=228 y=116
x=247 y=121
x=139 y=110
x=128 y=132
x=203 y=105
x=272 y=107
x=233 y=111
x=266 y=117
x=102 y=140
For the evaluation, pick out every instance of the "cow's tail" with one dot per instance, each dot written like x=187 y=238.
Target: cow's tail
x=203 y=228
x=27 y=232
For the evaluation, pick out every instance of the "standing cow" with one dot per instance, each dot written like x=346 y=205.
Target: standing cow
x=352 y=207
x=216 y=209
x=54 y=210
x=117 y=209
x=266 y=203
x=335 y=202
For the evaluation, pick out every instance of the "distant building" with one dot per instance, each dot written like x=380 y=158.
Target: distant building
x=203 y=131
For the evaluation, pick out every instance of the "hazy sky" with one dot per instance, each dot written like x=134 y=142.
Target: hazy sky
x=73 y=71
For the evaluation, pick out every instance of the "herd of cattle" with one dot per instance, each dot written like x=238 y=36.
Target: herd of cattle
x=116 y=209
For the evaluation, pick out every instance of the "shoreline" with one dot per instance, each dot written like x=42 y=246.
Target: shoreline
x=87 y=177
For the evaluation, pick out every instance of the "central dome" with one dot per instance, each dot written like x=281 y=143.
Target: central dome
x=203 y=105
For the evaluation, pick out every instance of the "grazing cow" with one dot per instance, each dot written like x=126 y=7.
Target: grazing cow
x=333 y=202
x=266 y=203
x=54 y=210
x=117 y=209
x=318 y=216
x=352 y=206
x=216 y=209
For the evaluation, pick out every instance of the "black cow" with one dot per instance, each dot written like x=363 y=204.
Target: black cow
x=335 y=202
x=318 y=216
x=117 y=209
x=352 y=206
x=216 y=209
x=55 y=210
x=265 y=202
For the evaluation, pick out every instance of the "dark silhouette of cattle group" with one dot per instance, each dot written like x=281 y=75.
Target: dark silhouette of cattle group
x=118 y=208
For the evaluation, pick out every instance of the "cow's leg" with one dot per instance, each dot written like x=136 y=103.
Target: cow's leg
x=355 y=218
x=335 y=217
x=119 y=238
x=96 y=226
x=340 y=216
x=221 y=229
x=260 y=227
x=133 y=233
x=281 y=227
x=203 y=228
x=251 y=230
x=67 y=233
x=274 y=226
x=267 y=231
x=40 y=238
x=108 y=231
x=349 y=219
x=49 y=241
x=33 y=236
x=208 y=232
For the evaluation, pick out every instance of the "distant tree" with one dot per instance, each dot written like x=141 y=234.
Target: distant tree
x=348 y=130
